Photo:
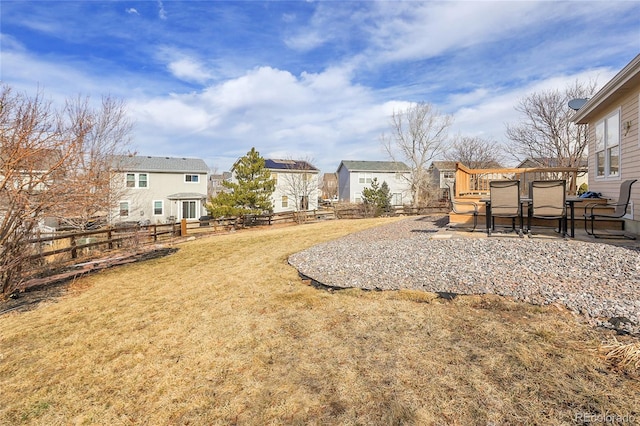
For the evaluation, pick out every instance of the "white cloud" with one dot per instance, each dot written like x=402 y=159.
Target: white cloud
x=188 y=69
x=485 y=112
x=132 y=11
x=162 y=14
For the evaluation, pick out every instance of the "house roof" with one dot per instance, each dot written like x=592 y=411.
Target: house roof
x=374 y=166
x=619 y=86
x=186 y=196
x=275 y=164
x=545 y=162
x=143 y=163
x=444 y=165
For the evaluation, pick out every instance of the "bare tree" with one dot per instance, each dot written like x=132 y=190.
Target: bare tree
x=102 y=136
x=418 y=135
x=47 y=169
x=475 y=152
x=299 y=183
x=546 y=132
x=329 y=186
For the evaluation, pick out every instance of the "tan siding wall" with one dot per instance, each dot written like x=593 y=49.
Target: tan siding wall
x=629 y=157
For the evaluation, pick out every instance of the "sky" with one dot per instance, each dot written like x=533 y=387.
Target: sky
x=314 y=80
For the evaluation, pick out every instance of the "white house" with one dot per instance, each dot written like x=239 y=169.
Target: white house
x=296 y=185
x=159 y=189
x=354 y=176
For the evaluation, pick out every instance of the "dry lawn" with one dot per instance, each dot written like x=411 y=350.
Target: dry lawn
x=225 y=332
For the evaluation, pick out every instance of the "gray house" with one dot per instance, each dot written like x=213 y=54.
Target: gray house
x=443 y=173
x=354 y=176
x=159 y=189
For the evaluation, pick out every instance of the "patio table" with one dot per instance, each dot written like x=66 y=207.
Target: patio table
x=571 y=203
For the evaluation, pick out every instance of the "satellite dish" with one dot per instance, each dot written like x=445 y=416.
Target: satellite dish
x=576 y=104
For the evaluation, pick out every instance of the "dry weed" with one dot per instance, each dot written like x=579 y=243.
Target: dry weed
x=225 y=332
x=622 y=355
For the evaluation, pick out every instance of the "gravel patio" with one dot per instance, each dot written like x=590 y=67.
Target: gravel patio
x=599 y=279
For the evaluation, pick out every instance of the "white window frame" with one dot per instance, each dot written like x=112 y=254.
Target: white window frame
x=395 y=196
x=120 y=209
x=195 y=211
x=188 y=178
x=136 y=180
x=274 y=176
x=365 y=178
x=153 y=207
x=605 y=151
x=357 y=197
x=285 y=202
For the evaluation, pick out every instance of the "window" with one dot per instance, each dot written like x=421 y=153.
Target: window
x=448 y=175
x=608 y=146
x=124 y=208
x=158 y=208
x=137 y=180
x=358 y=198
x=189 y=210
x=285 y=201
x=396 y=199
x=364 y=178
x=131 y=180
x=274 y=176
x=191 y=178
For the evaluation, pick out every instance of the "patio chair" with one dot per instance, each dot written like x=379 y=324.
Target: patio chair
x=504 y=198
x=463 y=207
x=619 y=212
x=548 y=202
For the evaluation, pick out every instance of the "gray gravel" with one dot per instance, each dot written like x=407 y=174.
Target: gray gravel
x=598 y=280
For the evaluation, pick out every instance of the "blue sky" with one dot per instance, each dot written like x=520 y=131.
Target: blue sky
x=308 y=79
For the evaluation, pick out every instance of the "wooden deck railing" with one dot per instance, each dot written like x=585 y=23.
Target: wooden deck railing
x=476 y=181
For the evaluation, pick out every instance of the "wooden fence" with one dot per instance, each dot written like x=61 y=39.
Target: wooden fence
x=55 y=249
x=74 y=245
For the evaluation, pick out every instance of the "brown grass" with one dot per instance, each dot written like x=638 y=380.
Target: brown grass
x=225 y=332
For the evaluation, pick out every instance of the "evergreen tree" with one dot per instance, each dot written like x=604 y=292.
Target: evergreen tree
x=377 y=199
x=250 y=192
x=384 y=198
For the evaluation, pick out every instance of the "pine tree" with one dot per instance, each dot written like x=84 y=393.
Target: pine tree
x=377 y=199
x=250 y=192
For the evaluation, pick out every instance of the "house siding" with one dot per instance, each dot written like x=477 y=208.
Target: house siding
x=350 y=188
x=166 y=183
x=629 y=154
x=282 y=190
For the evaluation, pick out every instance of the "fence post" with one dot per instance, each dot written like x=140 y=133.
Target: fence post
x=110 y=238
x=155 y=232
x=183 y=227
x=74 y=250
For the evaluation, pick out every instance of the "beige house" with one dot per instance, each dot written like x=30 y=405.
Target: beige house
x=160 y=189
x=613 y=116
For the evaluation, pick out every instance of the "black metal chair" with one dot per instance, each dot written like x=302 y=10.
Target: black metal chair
x=548 y=202
x=620 y=210
x=463 y=207
x=504 y=198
